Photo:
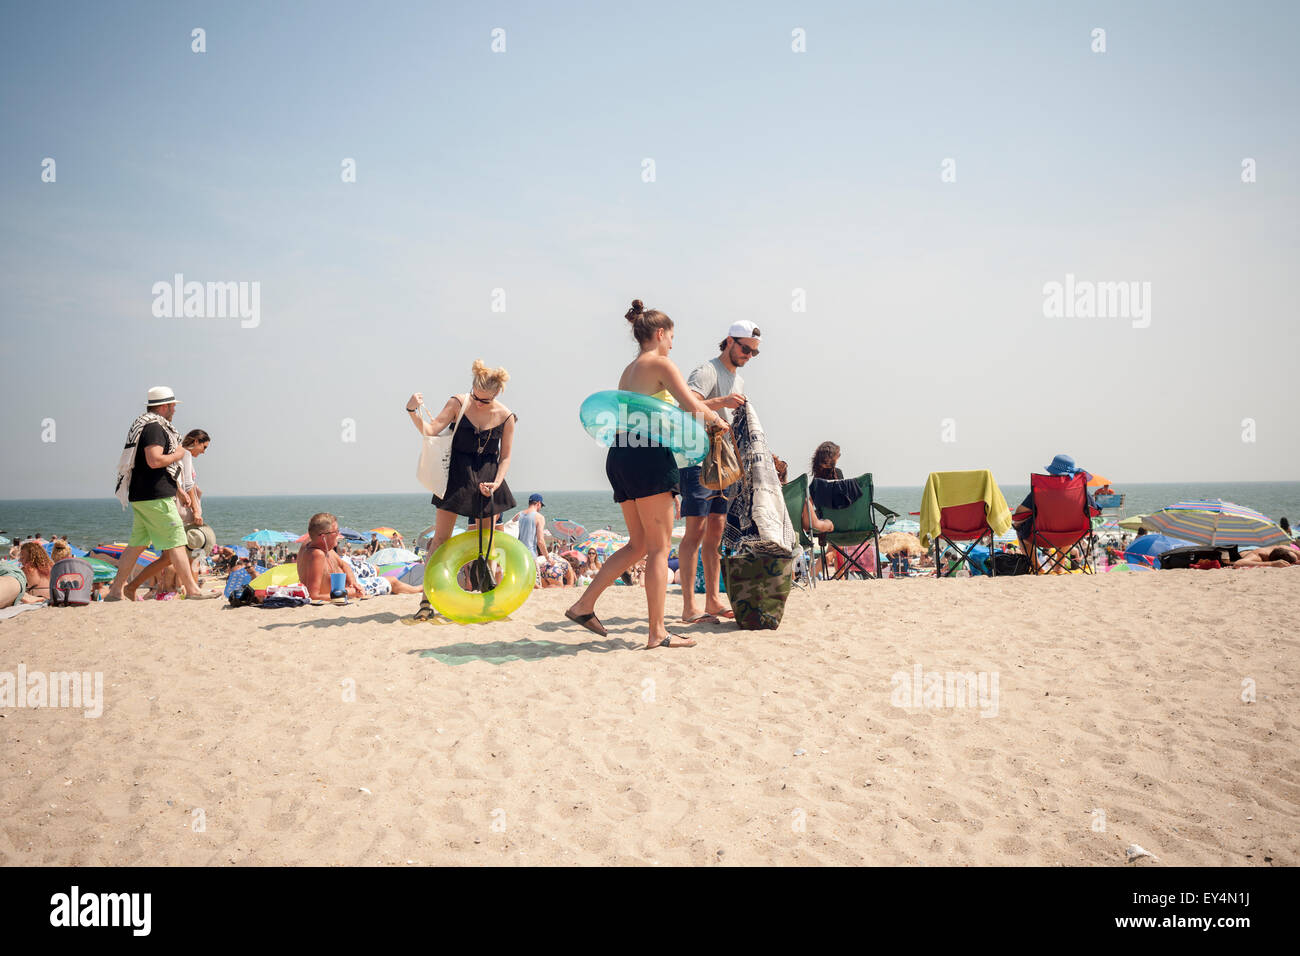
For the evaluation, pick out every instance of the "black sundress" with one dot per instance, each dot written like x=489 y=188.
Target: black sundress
x=475 y=456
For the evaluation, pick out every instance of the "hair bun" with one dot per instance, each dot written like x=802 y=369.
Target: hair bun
x=637 y=309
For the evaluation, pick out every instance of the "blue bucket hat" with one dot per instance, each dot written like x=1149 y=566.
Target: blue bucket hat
x=1063 y=465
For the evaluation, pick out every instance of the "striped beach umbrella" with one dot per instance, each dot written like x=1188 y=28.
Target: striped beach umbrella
x=1214 y=521
x=603 y=542
x=114 y=551
x=103 y=571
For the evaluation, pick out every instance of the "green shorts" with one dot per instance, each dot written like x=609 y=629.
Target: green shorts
x=157 y=523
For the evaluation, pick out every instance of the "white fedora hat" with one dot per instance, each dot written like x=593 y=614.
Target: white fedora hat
x=161 y=395
x=200 y=537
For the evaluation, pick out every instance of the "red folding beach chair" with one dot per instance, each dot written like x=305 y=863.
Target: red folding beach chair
x=958 y=523
x=1061 y=520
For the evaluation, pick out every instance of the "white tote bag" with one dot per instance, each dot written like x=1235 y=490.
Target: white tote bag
x=435 y=454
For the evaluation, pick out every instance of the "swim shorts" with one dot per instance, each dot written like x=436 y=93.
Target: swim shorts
x=156 y=523
x=641 y=472
x=12 y=569
x=698 y=501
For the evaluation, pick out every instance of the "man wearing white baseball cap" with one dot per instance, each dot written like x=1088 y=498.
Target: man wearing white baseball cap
x=719 y=385
x=147 y=475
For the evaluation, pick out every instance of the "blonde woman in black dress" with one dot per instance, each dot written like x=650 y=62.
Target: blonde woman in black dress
x=480 y=457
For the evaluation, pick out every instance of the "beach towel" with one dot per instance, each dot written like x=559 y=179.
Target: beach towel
x=237 y=581
x=126 y=464
x=18 y=609
x=758 y=511
x=946 y=488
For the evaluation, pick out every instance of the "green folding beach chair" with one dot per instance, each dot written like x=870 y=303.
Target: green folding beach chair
x=855 y=525
x=795 y=494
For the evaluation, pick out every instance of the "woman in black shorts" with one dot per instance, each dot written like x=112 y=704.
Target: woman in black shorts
x=480 y=457
x=644 y=479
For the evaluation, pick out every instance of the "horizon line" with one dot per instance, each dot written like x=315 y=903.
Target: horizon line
x=395 y=494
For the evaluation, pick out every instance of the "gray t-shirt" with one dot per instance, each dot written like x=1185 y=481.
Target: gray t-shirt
x=713 y=380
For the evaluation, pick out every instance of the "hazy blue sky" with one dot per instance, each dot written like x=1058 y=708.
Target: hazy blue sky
x=775 y=171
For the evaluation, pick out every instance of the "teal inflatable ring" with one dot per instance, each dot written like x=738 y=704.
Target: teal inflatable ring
x=645 y=421
x=519 y=574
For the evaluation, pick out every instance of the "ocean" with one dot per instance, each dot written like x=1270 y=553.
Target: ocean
x=90 y=521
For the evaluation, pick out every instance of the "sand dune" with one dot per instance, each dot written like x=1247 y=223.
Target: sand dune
x=1119 y=704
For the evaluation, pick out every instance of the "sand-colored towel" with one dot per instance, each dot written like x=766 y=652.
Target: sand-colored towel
x=943 y=489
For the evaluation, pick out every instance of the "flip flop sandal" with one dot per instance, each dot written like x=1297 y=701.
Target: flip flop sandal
x=589 y=621
x=703 y=619
x=672 y=640
x=425 y=613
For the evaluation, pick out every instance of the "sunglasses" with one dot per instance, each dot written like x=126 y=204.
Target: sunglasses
x=482 y=401
x=745 y=348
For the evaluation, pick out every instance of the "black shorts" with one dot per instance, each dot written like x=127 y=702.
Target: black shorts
x=641 y=472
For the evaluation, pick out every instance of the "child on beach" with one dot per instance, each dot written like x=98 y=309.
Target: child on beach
x=644 y=479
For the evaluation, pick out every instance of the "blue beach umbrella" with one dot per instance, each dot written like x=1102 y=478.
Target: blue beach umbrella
x=1146 y=550
x=354 y=535
x=264 y=536
x=76 y=552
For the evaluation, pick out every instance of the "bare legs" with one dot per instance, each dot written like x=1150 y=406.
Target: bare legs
x=650 y=528
x=706 y=531
x=443 y=525
x=125 y=564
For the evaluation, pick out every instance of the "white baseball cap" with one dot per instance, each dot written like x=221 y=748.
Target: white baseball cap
x=161 y=395
x=744 y=329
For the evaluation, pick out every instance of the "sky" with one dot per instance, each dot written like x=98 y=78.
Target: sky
x=920 y=172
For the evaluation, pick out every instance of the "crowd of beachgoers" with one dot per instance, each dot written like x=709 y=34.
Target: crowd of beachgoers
x=655 y=486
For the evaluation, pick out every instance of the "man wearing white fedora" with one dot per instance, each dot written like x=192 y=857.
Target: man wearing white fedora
x=147 y=476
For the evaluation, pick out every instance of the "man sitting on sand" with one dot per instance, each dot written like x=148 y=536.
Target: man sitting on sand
x=318 y=559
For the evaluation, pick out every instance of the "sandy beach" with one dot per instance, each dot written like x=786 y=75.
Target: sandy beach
x=228 y=736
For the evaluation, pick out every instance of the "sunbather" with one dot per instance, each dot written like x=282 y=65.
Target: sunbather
x=1281 y=556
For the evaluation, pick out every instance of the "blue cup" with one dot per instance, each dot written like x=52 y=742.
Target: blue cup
x=338 y=582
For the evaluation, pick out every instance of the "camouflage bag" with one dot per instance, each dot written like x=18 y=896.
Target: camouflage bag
x=759 y=579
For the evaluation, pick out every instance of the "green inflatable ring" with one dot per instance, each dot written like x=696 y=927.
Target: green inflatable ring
x=519 y=574
x=651 y=421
